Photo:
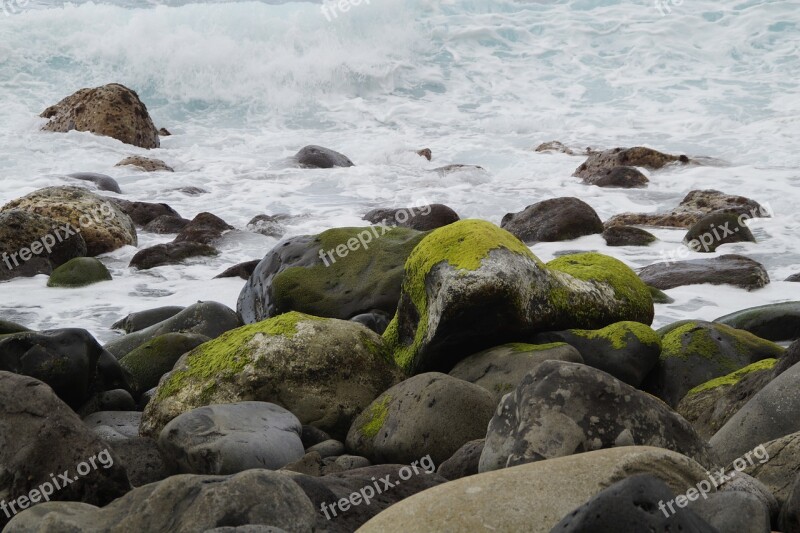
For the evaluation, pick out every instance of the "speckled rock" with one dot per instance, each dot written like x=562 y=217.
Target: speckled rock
x=145 y=163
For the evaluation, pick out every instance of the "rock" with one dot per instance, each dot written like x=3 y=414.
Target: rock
x=171 y=253
x=558 y=146
x=103 y=227
x=733 y=512
x=375 y=320
x=313 y=464
x=471 y=285
x=184 y=503
x=7 y=327
x=600 y=163
x=775 y=322
x=730 y=269
x=331 y=274
x=147 y=363
x=451 y=169
x=464 y=462
x=111 y=400
x=211 y=319
x=694 y=352
x=191 y=191
x=532 y=497
x=716 y=229
x=267 y=225
x=166 y=224
x=111 y=110
x=242 y=270
x=338 y=368
x=777 y=466
x=41 y=439
x=312 y=435
x=145 y=163
x=637 y=503
x=142 y=213
x=430 y=413
x=692 y=208
x=741 y=482
x=500 y=369
x=79 y=272
x=709 y=405
x=70 y=361
x=231 y=438
x=659 y=296
x=103 y=182
x=793 y=277
x=143 y=319
x=164 y=132
x=205 y=228
x=566 y=408
x=772 y=413
x=624 y=177
x=142 y=460
x=627 y=236
x=114 y=426
x=790 y=514
x=318 y=157
x=328 y=448
x=426 y=153
x=626 y=350
x=422 y=218
x=23 y=234
x=558 y=219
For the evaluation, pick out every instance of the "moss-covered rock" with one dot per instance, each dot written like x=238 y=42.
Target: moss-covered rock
x=340 y=273
x=154 y=358
x=775 y=322
x=659 y=296
x=8 y=327
x=626 y=350
x=695 y=352
x=325 y=371
x=472 y=285
x=79 y=272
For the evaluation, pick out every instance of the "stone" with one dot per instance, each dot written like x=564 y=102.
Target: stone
x=79 y=272
x=172 y=253
x=163 y=224
x=464 y=462
x=558 y=219
x=775 y=322
x=151 y=360
x=103 y=182
x=790 y=513
x=242 y=270
x=143 y=319
x=205 y=228
x=111 y=400
x=733 y=512
x=599 y=163
x=716 y=229
x=313 y=156
x=142 y=213
x=730 y=269
x=142 y=460
x=376 y=320
x=123 y=425
x=623 y=177
x=423 y=218
x=146 y=164
x=268 y=225
x=627 y=236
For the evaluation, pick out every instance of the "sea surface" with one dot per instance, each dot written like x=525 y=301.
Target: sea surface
x=244 y=85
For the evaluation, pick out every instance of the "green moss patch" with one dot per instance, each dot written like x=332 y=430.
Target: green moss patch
x=618 y=334
x=734 y=377
x=520 y=347
x=377 y=417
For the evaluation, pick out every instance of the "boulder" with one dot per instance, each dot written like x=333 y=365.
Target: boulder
x=79 y=272
x=623 y=177
x=790 y=514
x=205 y=228
x=103 y=227
x=331 y=274
x=716 y=229
x=464 y=462
x=231 y=438
x=143 y=319
x=731 y=269
x=142 y=460
x=775 y=322
x=110 y=400
x=337 y=368
x=151 y=360
x=430 y=413
x=313 y=156
x=242 y=270
x=600 y=163
x=471 y=285
x=422 y=218
x=627 y=236
x=166 y=224
x=142 y=213
x=778 y=466
x=111 y=110
x=114 y=426
x=566 y=408
x=268 y=225
x=145 y=163
x=101 y=181
x=694 y=352
x=557 y=219
x=375 y=320
x=171 y=253
x=733 y=512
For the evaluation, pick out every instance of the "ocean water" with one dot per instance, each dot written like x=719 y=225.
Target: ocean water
x=244 y=85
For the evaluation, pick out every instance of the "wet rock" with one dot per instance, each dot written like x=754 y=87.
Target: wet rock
x=730 y=269
x=375 y=320
x=111 y=110
x=733 y=512
x=268 y=225
x=692 y=208
x=171 y=253
x=627 y=236
x=775 y=322
x=601 y=162
x=464 y=462
x=422 y=218
x=558 y=146
x=147 y=363
x=338 y=368
x=450 y=169
x=426 y=153
x=623 y=177
x=558 y=219
x=659 y=296
x=242 y=270
x=793 y=277
x=164 y=132
x=142 y=213
x=79 y=272
x=112 y=400
x=313 y=156
x=103 y=227
x=191 y=191
x=716 y=229
x=7 y=327
x=205 y=228
x=103 y=182
x=777 y=466
x=790 y=514
x=145 y=163
x=567 y=408
x=430 y=413
x=231 y=438
x=166 y=224
x=143 y=319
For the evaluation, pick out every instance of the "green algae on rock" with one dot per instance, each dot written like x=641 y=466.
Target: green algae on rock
x=79 y=272
x=325 y=371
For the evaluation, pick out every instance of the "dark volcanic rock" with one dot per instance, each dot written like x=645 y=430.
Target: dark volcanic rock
x=171 y=253
x=464 y=462
x=147 y=363
x=775 y=322
x=731 y=269
x=422 y=218
x=558 y=219
x=166 y=224
x=242 y=270
x=716 y=229
x=142 y=212
x=205 y=228
x=600 y=163
x=627 y=236
x=103 y=182
x=269 y=225
x=624 y=177
x=143 y=319
x=313 y=156
x=112 y=110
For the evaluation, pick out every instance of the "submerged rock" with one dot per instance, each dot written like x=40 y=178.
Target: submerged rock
x=627 y=236
x=313 y=156
x=624 y=177
x=242 y=270
x=268 y=225
x=79 y=272
x=716 y=229
x=142 y=213
x=171 y=253
x=111 y=110
x=558 y=219
x=730 y=269
x=422 y=218
x=145 y=163
x=599 y=163
x=103 y=182
x=166 y=224
x=775 y=322
x=205 y=228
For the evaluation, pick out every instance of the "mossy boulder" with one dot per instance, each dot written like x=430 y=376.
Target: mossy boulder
x=709 y=405
x=626 y=350
x=340 y=273
x=694 y=352
x=775 y=322
x=500 y=369
x=429 y=414
x=472 y=285
x=325 y=371
x=154 y=358
x=79 y=272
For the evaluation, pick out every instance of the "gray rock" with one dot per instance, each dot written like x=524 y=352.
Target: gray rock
x=776 y=322
x=148 y=362
x=122 y=422
x=144 y=319
x=733 y=512
x=112 y=400
x=778 y=466
x=328 y=448
x=171 y=253
x=241 y=270
x=166 y=224
x=627 y=236
x=205 y=228
x=558 y=219
x=103 y=182
x=716 y=229
x=731 y=269
x=422 y=218
x=142 y=460
x=742 y=482
x=142 y=213
x=600 y=163
x=464 y=462
x=313 y=156
x=231 y=438
x=624 y=177
x=790 y=513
